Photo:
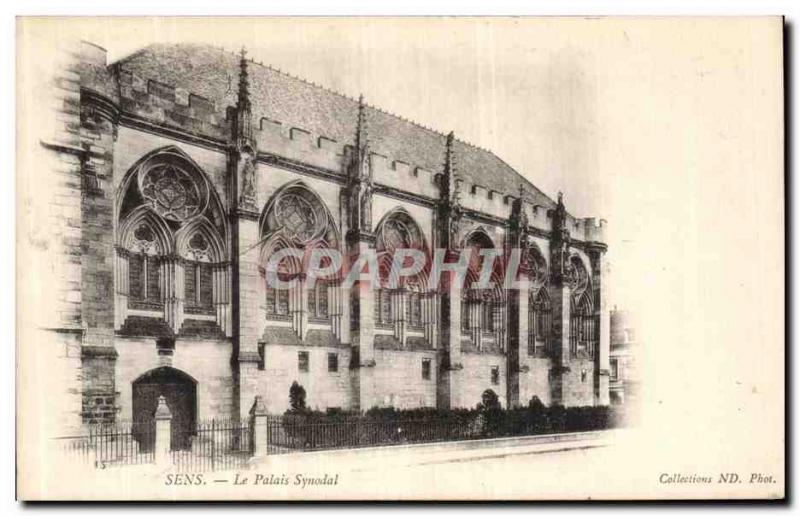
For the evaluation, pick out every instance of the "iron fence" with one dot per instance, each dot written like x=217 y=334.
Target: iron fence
x=109 y=445
x=214 y=445
x=227 y=444
x=295 y=433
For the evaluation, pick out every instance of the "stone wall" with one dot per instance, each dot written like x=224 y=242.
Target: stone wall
x=207 y=361
x=578 y=384
x=476 y=377
x=398 y=379
x=324 y=389
x=536 y=381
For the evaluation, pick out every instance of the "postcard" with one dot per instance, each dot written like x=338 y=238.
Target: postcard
x=432 y=258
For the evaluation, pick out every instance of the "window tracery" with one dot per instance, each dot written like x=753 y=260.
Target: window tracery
x=170 y=255
x=172 y=192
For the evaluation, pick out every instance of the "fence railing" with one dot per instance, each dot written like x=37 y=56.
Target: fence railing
x=198 y=446
x=109 y=445
x=226 y=444
x=290 y=433
x=215 y=445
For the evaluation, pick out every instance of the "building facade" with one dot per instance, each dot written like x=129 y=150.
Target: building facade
x=181 y=169
x=624 y=371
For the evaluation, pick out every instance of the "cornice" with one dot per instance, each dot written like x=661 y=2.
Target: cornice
x=134 y=121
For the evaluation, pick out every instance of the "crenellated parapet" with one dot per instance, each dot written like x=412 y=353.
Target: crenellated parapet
x=591 y=229
x=172 y=107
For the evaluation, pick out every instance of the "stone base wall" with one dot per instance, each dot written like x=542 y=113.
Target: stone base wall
x=578 y=383
x=324 y=389
x=476 y=377
x=398 y=379
x=98 y=404
x=535 y=382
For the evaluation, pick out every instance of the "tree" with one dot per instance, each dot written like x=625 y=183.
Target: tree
x=297 y=397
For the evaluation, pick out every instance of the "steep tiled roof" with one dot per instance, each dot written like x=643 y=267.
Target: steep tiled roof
x=213 y=73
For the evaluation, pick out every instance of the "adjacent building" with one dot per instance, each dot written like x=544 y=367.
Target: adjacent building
x=624 y=372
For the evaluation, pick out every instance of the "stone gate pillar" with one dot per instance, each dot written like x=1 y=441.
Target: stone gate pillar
x=163 y=434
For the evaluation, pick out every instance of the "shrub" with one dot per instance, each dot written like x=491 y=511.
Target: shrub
x=297 y=397
x=388 y=425
x=489 y=400
x=537 y=416
x=557 y=416
x=492 y=413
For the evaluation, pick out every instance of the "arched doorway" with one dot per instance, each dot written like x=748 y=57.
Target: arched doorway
x=180 y=391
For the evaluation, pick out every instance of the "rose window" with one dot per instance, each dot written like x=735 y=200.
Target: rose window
x=297 y=217
x=172 y=193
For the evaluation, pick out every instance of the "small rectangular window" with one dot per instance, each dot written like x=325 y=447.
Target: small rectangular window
x=426 y=368
x=333 y=363
x=302 y=361
x=614 y=369
x=495 y=375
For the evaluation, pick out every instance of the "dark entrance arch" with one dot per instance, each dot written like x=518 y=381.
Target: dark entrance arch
x=180 y=391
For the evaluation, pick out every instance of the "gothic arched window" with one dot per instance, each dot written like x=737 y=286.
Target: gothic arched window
x=400 y=298
x=540 y=321
x=318 y=301
x=296 y=219
x=170 y=241
x=483 y=313
x=198 y=276
x=145 y=247
x=414 y=310
x=583 y=327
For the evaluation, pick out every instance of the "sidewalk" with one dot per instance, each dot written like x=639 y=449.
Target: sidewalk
x=365 y=459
